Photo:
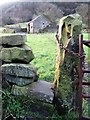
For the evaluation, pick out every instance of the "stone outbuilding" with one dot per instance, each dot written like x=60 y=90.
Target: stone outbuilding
x=38 y=24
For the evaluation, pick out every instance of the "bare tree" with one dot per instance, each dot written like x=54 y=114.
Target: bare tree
x=50 y=10
x=83 y=11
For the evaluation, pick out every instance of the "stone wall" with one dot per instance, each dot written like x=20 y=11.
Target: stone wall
x=21 y=79
x=16 y=57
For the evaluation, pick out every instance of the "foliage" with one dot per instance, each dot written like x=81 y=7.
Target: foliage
x=52 y=10
x=83 y=11
x=18 y=25
x=44 y=48
x=21 y=106
x=10 y=104
x=10 y=21
x=68 y=116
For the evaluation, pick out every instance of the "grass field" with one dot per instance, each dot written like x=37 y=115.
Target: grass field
x=44 y=48
x=87 y=37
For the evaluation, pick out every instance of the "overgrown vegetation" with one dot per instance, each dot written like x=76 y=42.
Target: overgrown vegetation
x=23 y=107
x=44 y=48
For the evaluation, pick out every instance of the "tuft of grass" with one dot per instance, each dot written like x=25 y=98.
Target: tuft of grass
x=44 y=49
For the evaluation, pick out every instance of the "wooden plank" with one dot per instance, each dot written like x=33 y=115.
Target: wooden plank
x=80 y=75
x=86 y=71
x=85 y=83
x=86 y=95
x=85 y=118
x=87 y=43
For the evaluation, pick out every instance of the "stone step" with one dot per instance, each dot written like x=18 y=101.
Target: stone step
x=40 y=90
x=36 y=100
x=21 y=54
x=19 y=74
x=12 y=39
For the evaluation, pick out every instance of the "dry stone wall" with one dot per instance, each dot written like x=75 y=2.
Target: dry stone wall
x=16 y=57
x=18 y=71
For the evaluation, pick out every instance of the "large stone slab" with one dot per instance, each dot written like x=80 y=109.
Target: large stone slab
x=22 y=54
x=40 y=90
x=19 y=74
x=20 y=81
x=36 y=100
x=12 y=39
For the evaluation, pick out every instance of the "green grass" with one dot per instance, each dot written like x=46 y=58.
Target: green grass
x=87 y=53
x=25 y=106
x=44 y=48
x=87 y=49
x=86 y=36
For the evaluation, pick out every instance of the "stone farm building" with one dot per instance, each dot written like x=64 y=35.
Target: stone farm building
x=39 y=24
